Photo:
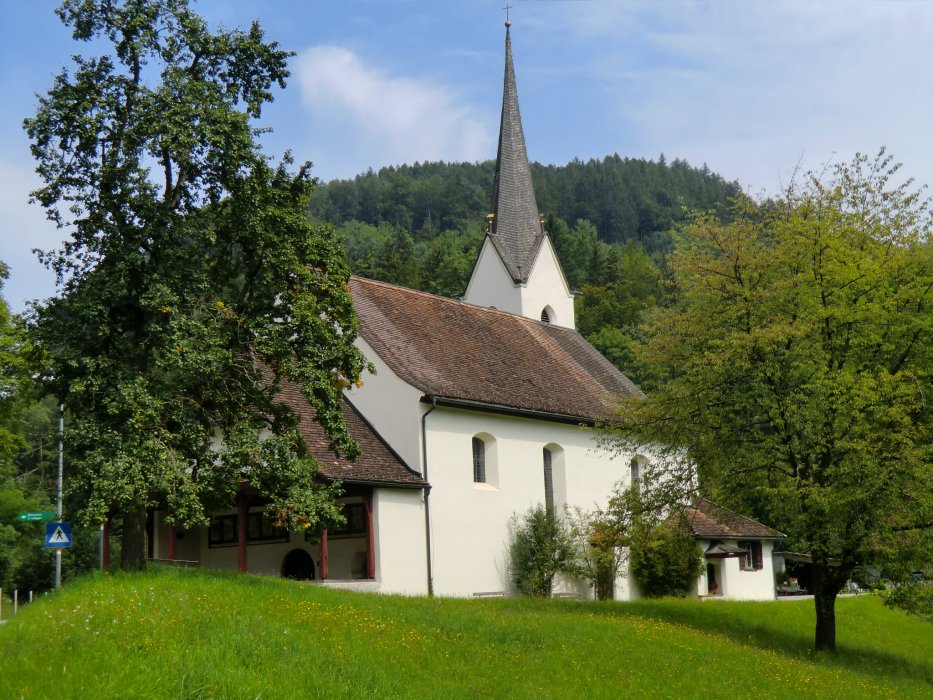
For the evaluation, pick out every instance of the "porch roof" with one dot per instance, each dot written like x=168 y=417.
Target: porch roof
x=377 y=464
x=710 y=521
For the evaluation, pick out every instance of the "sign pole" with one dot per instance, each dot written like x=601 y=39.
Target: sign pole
x=61 y=434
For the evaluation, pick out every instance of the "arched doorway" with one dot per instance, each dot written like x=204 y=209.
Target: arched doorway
x=298 y=565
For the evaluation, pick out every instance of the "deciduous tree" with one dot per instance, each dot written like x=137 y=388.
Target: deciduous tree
x=191 y=282
x=796 y=366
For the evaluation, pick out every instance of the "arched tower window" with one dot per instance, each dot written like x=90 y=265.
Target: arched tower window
x=547 y=314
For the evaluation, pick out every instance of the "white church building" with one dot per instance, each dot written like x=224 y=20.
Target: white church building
x=478 y=409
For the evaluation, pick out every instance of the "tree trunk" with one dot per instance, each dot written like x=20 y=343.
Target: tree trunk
x=825 y=620
x=133 y=551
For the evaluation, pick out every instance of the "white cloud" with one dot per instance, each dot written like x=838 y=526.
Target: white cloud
x=359 y=115
x=751 y=87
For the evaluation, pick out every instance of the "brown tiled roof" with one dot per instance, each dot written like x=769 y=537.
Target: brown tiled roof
x=450 y=349
x=376 y=463
x=710 y=521
x=516 y=230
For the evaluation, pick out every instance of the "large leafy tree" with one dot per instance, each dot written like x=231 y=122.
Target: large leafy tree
x=191 y=283
x=794 y=370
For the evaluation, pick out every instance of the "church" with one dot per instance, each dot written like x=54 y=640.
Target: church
x=479 y=409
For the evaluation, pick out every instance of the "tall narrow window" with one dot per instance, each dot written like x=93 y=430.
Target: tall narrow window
x=753 y=558
x=636 y=473
x=479 y=461
x=548 y=482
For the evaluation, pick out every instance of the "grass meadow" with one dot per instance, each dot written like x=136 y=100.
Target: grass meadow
x=194 y=634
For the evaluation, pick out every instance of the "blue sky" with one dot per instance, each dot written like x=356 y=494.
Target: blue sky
x=750 y=88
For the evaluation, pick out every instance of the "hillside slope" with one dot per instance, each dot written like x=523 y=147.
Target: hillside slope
x=174 y=634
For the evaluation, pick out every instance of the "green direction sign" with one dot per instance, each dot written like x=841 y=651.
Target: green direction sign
x=36 y=517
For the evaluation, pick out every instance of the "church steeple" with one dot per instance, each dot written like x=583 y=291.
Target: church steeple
x=516 y=227
x=517 y=269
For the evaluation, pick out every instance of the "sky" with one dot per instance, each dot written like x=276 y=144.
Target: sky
x=754 y=90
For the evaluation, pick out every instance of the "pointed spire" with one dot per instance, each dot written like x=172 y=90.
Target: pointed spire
x=516 y=228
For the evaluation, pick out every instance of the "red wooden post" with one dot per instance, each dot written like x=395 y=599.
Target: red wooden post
x=242 y=515
x=370 y=544
x=171 y=543
x=106 y=536
x=323 y=555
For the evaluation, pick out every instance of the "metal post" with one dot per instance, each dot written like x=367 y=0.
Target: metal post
x=101 y=546
x=15 y=601
x=61 y=437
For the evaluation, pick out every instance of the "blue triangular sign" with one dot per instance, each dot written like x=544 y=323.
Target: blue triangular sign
x=58 y=535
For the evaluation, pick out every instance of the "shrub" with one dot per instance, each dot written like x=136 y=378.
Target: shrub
x=665 y=560
x=542 y=548
x=913 y=598
x=599 y=543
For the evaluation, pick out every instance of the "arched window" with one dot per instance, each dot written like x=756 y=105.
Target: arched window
x=636 y=473
x=548 y=481
x=479 y=461
x=545 y=316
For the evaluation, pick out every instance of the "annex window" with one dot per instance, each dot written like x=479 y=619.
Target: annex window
x=355 y=513
x=259 y=530
x=753 y=558
x=479 y=461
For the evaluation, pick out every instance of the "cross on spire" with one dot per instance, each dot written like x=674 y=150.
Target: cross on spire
x=507 y=8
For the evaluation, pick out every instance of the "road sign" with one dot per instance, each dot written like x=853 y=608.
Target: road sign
x=36 y=517
x=58 y=535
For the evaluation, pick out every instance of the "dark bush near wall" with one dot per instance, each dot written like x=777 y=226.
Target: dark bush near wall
x=665 y=560
x=541 y=549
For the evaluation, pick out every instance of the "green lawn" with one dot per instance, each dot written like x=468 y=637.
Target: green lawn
x=188 y=634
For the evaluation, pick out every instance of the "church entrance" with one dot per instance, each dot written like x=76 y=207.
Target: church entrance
x=298 y=565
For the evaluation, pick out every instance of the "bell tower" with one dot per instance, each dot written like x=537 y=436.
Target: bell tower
x=517 y=269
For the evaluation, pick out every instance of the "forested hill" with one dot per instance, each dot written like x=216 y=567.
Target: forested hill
x=625 y=198
x=422 y=225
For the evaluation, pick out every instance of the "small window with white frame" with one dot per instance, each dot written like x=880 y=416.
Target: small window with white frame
x=753 y=559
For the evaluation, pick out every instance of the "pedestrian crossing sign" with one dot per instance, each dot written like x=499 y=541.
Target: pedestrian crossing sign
x=58 y=535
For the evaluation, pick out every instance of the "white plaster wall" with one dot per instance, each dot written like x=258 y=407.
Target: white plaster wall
x=471 y=523
x=392 y=406
x=546 y=286
x=491 y=283
x=401 y=555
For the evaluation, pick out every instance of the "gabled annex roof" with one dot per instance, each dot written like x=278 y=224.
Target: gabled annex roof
x=710 y=521
x=377 y=464
x=516 y=228
x=449 y=349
